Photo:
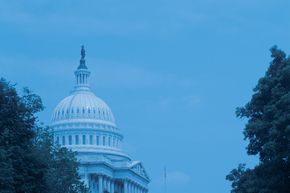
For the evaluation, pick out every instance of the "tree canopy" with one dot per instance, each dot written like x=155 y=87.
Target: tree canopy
x=268 y=132
x=29 y=161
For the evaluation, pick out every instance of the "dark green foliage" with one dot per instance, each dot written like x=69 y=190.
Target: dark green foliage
x=268 y=131
x=17 y=133
x=29 y=161
x=63 y=174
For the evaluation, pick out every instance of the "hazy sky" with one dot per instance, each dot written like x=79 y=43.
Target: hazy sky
x=172 y=73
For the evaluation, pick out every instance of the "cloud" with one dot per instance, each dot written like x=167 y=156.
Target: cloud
x=112 y=73
x=128 y=148
x=95 y=17
x=192 y=100
x=176 y=178
x=187 y=101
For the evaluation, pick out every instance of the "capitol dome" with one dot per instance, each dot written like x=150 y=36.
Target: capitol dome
x=82 y=106
x=84 y=122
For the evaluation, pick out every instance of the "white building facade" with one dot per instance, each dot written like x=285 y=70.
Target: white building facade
x=85 y=123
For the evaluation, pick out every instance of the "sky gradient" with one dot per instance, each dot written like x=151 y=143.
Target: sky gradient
x=172 y=72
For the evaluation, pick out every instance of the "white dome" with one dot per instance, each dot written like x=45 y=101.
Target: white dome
x=81 y=106
x=85 y=123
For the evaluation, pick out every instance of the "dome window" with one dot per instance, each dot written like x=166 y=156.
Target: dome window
x=77 y=139
x=84 y=140
x=58 y=112
x=89 y=110
x=104 y=141
x=78 y=110
x=91 y=140
x=99 y=112
x=98 y=140
x=62 y=112
x=69 y=140
x=83 y=110
x=67 y=111
x=109 y=141
x=72 y=110
x=103 y=112
x=94 y=110
x=113 y=142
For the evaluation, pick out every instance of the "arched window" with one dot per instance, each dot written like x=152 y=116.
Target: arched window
x=113 y=142
x=69 y=140
x=109 y=141
x=83 y=110
x=98 y=140
x=78 y=110
x=89 y=110
x=77 y=139
x=72 y=110
x=63 y=140
x=104 y=141
x=91 y=140
x=84 y=140
x=62 y=112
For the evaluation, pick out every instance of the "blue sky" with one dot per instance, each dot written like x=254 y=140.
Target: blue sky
x=172 y=72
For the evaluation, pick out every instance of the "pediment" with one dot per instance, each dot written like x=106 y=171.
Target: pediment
x=138 y=168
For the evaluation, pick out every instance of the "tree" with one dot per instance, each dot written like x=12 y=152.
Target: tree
x=268 y=131
x=29 y=161
x=23 y=171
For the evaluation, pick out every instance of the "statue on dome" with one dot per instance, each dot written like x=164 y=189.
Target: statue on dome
x=83 y=52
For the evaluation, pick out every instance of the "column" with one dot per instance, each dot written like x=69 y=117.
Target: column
x=108 y=184
x=112 y=186
x=120 y=188
x=125 y=186
x=116 y=186
x=86 y=176
x=129 y=187
x=132 y=187
x=105 y=183
x=136 y=188
x=100 y=184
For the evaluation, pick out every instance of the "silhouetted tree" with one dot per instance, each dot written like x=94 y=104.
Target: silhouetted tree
x=268 y=132
x=29 y=161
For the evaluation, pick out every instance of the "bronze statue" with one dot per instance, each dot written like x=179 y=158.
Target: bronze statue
x=83 y=52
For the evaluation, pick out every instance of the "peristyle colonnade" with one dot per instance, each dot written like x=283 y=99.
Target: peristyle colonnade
x=99 y=182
